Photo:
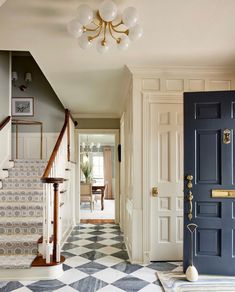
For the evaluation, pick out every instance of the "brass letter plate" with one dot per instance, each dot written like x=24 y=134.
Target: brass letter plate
x=223 y=194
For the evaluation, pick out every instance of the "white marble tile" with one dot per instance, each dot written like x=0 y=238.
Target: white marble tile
x=146 y=274
x=76 y=261
x=152 y=288
x=69 y=276
x=108 y=242
x=108 y=235
x=85 y=235
x=109 y=288
x=82 y=242
x=79 y=250
x=108 y=250
x=109 y=261
x=109 y=275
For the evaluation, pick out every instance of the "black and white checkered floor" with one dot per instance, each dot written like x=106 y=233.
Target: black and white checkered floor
x=97 y=260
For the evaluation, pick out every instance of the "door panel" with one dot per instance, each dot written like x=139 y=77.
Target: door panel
x=166 y=170
x=211 y=162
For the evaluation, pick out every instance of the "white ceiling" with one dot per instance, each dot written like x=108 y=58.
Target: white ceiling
x=182 y=32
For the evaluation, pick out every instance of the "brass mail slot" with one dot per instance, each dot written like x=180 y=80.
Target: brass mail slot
x=223 y=193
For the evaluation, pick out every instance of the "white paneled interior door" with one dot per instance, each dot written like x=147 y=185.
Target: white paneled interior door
x=166 y=173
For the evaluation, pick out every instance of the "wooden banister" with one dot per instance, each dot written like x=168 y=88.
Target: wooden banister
x=56 y=148
x=49 y=177
x=4 y=122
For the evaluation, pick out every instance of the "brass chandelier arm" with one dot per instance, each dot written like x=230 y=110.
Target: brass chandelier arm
x=90 y=29
x=119 y=31
x=105 y=28
x=111 y=33
x=90 y=38
x=116 y=25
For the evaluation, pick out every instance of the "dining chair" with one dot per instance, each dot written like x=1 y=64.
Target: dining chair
x=86 y=194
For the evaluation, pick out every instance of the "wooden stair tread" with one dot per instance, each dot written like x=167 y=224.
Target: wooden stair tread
x=40 y=262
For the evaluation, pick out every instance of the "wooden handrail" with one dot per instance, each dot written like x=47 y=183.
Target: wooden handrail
x=56 y=149
x=5 y=122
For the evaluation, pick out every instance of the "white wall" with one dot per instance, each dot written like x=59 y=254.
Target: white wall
x=5 y=109
x=147 y=82
x=29 y=145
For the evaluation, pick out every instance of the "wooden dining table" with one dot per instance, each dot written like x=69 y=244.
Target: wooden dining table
x=98 y=189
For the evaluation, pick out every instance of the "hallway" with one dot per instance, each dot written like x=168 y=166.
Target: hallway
x=97 y=260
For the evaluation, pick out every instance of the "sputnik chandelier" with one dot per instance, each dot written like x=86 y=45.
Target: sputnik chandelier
x=105 y=26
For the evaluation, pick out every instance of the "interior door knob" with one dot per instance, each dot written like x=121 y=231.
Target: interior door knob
x=154 y=191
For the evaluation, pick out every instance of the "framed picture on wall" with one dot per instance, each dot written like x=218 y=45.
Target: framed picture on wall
x=22 y=106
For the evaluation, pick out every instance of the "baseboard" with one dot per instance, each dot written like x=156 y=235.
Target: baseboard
x=32 y=274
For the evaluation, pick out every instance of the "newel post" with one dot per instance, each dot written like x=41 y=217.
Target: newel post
x=56 y=244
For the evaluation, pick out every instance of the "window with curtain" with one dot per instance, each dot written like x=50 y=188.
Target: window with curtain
x=98 y=167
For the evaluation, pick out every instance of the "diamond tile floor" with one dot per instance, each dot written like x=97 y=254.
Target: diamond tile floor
x=97 y=260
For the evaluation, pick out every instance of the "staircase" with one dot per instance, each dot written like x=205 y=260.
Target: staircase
x=21 y=214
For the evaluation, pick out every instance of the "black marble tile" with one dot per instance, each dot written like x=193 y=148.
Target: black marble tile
x=47 y=285
x=118 y=238
x=69 y=245
x=162 y=266
x=94 y=245
x=96 y=238
x=157 y=282
x=126 y=267
x=79 y=227
x=91 y=268
x=120 y=245
x=130 y=284
x=76 y=233
x=97 y=232
x=66 y=267
x=67 y=254
x=72 y=238
x=9 y=286
x=88 y=284
x=121 y=255
x=93 y=255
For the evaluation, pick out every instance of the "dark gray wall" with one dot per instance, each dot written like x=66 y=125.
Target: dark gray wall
x=5 y=73
x=47 y=107
x=98 y=123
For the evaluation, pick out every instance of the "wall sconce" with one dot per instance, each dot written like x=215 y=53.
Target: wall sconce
x=27 y=79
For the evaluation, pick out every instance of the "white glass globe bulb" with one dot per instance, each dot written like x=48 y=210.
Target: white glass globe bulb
x=124 y=43
x=108 y=10
x=83 y=42
x=135 y=32
x=102 y=46
x=130 y=16
x=85 y=14
x=75 y=28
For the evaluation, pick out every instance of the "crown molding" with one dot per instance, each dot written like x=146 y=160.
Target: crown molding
x=96 y=116
x=151 y=71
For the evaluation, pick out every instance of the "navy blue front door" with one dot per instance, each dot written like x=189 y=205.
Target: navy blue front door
x=209 y=168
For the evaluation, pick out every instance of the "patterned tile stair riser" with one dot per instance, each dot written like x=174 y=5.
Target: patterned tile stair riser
x=21 y=213
x=97 y=260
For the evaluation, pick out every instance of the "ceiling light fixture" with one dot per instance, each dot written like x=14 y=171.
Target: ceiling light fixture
x=105 y=26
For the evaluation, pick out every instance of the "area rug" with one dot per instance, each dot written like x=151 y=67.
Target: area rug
x=175 y=281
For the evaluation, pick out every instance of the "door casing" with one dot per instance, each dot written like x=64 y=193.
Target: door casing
x=114 y=132
x=148 y=99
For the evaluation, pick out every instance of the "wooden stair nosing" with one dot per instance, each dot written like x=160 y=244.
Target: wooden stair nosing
x=40 y=262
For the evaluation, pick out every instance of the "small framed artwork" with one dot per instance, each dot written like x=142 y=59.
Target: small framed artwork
x=23 y=106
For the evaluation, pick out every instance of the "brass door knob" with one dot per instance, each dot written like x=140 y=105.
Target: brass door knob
x=154 y=191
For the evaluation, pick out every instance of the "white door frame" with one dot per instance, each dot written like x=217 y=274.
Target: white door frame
x=148 y=99
x=114 y=132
